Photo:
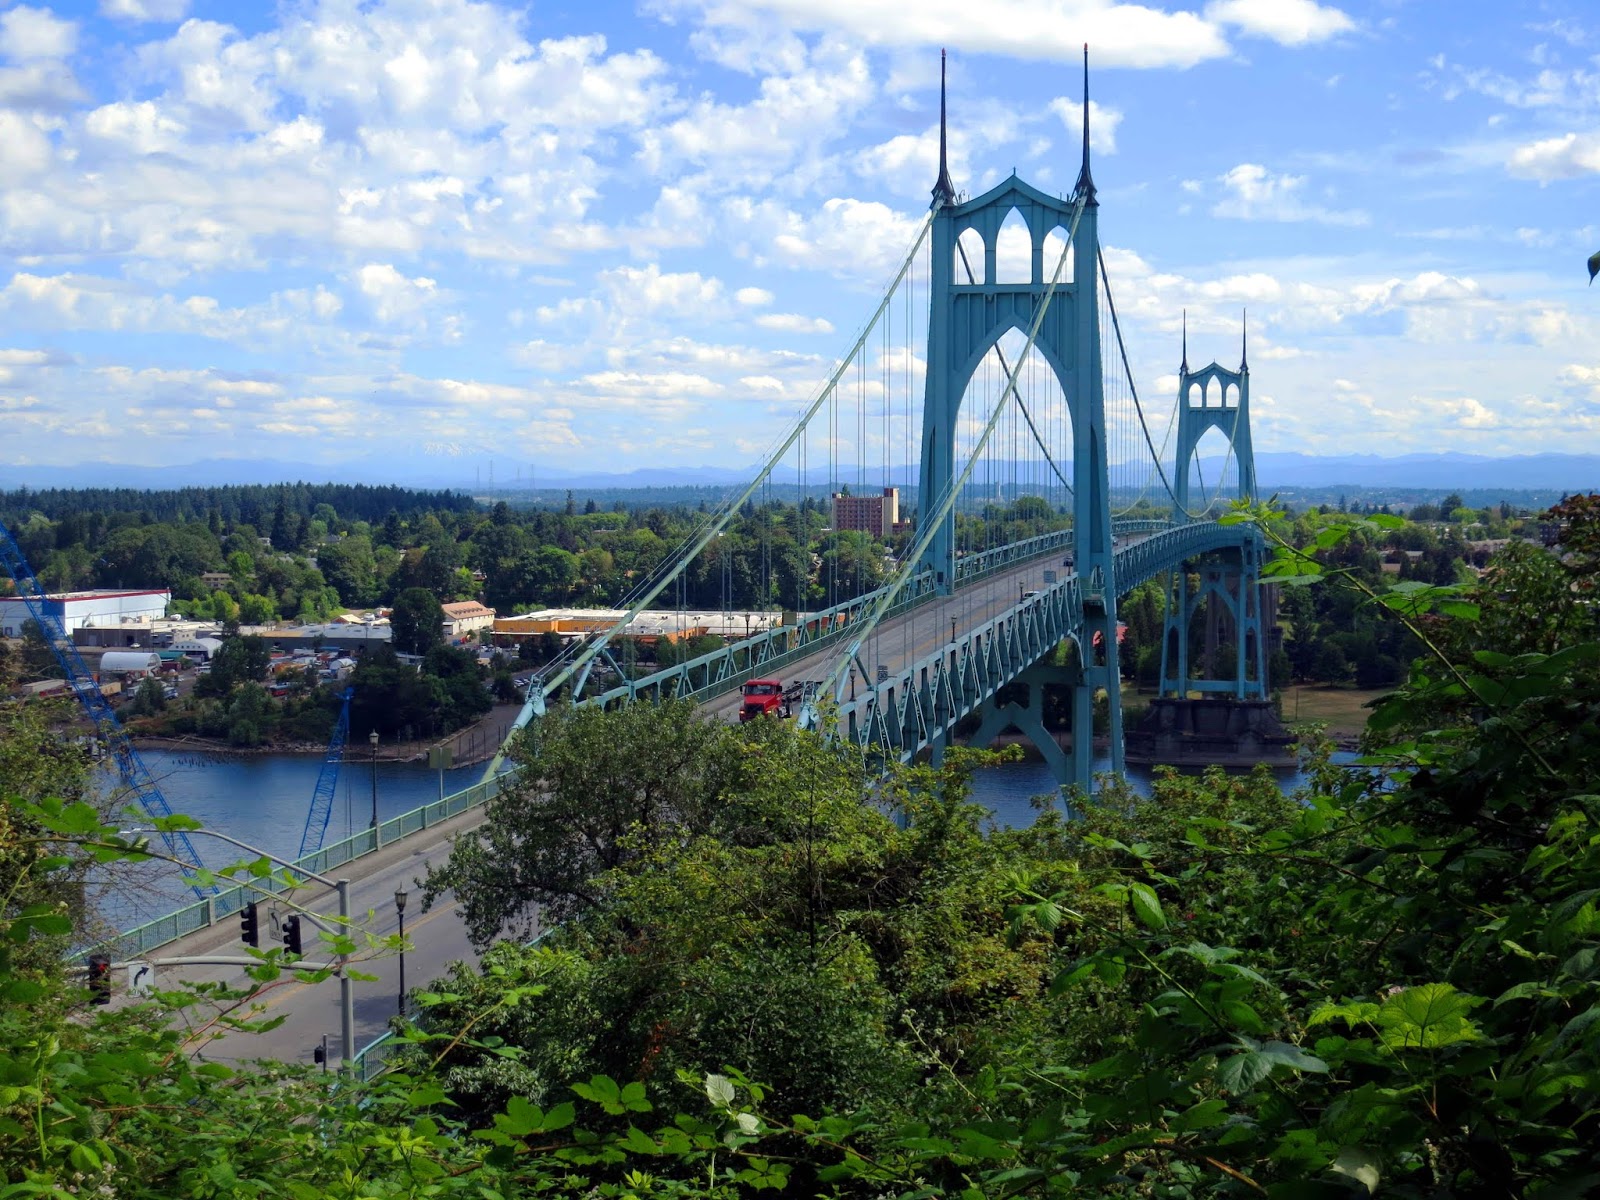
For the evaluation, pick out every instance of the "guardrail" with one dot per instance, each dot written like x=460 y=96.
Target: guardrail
x=141 y=939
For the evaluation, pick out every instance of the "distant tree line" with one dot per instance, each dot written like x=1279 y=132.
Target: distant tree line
x=246 y=504
x=298 y=559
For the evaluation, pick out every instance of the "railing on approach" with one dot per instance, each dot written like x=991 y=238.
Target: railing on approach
x=141 y=939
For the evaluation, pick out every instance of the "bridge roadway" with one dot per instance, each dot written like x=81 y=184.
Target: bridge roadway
x=907 y=637
x=438 y=937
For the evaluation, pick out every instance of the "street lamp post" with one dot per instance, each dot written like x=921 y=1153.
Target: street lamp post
x=373 y=738
x=400 y=908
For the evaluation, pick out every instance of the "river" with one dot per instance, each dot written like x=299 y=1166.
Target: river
x=263 y=799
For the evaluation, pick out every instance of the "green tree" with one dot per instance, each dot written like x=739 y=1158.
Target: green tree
x=417 y=621
x=349 y=567
x=463 y=698
x=150 y=699
x=39 y=661
x=35 y=763
x=238 y=660
x=391 y=697
x=593 y=790
x=1330 y=664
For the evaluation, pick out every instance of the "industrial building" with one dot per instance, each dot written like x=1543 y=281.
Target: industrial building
x=466 y=617
x=877 y=515
x=129 y=662
x=77 y=609
x=648 y=626
x=345 y=638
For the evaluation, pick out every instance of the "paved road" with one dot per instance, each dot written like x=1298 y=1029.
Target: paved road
x=901 y=641
x=438 y=938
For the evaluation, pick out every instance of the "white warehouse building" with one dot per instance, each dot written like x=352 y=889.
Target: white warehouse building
x=76 y=609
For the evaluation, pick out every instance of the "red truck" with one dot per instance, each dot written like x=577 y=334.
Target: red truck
x=763 y=697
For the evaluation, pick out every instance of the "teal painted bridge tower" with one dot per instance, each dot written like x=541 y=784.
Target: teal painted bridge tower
x=970 y=310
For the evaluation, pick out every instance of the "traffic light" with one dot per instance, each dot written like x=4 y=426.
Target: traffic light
x=250 y=925
x=291 y=935
x=99 y=979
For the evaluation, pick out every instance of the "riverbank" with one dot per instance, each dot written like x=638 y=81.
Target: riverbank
x=470 y=746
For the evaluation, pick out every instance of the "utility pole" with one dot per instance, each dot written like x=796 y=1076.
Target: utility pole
x=373 y=739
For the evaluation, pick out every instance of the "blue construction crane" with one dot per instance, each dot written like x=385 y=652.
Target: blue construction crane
x=135 y=776
x=327 y=782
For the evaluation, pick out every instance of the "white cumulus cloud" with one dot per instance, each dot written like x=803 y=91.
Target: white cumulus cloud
x=1566 y=157
x=1253 y=193
x=28 y=34
x=1288 y=22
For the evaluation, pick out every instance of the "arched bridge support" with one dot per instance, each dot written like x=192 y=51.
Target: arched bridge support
x=1028 y=720
x=966 y=320
x=1230 y=584
x=1231 y=595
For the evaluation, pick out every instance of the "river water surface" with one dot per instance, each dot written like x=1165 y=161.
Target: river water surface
x=263 y=799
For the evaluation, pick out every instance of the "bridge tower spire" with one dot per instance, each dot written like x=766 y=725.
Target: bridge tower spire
x=944 y=192
x=1085 y=184
x=969 y=311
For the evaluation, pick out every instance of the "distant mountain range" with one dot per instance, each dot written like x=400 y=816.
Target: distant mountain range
x=1449 y=471
x=1527 y=472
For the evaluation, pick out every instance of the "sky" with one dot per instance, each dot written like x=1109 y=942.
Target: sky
x=606 y=236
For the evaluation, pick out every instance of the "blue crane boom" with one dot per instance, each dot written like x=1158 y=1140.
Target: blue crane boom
x=135 y=775
x=327 y=782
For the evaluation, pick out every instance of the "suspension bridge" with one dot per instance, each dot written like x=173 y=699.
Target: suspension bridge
x=992 y=380
x=992 y=377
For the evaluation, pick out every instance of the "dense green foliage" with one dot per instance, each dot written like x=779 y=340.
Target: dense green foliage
x=767 y=980
x=246 y=504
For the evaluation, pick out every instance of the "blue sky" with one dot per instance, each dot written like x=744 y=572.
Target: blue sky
x=605 y=236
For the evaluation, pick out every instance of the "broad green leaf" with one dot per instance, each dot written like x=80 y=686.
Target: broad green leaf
x=1242 y=1071
x=1287 y=1054
x=1205 y=1115
x=520 y=1118
x=1146 y=907
x=638 y=1141
x=1361 y=1165
x=1070 y=977
x=719 y=1089
x=1430 y=1016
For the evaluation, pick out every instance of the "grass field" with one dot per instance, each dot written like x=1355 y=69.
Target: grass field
x=1340 y=709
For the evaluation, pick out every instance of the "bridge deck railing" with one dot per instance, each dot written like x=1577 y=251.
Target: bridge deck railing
x=722 y=670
